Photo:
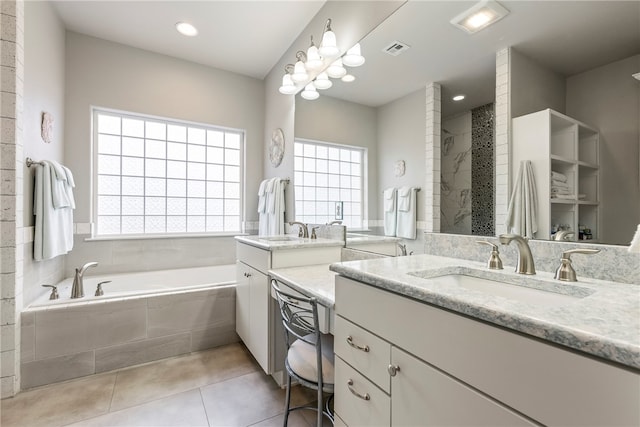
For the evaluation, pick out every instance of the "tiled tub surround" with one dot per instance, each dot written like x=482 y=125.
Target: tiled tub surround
x=602 y=321
x=70 y=339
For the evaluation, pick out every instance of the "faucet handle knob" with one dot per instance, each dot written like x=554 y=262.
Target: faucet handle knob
x=99 y=291
x=54 y=291
x=565 y=271
x=494 y=263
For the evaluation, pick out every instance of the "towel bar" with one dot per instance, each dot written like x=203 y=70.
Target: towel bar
x=30 y=162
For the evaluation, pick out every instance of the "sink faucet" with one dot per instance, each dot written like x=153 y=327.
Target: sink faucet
x=563 y=235
x=77 y=290
x=303 y=228
x=403 y=249
x=337 y=222
x=525 y=258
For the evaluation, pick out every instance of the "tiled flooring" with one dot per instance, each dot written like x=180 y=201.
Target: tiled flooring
x=219 y=387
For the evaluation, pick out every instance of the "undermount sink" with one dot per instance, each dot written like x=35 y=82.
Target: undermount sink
x=281 y=239
x=556 y=295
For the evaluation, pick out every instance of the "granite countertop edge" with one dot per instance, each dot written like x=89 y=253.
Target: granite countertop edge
x=269 y=243
x=541 y=323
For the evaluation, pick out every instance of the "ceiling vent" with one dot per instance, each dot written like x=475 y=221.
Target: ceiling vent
x=396 y=48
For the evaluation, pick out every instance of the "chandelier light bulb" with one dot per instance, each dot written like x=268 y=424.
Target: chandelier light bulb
x=322 y=82
x=310 y=93
x=299 y=73
x=287 y=88
x=353 y=57
x=329 y=46
x=314 y=61
x=336 y=70
x=348 y=78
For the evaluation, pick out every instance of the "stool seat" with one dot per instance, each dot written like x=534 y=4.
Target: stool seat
x=302 y=359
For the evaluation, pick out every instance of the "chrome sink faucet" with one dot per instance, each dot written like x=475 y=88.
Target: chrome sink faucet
x=525 y=263
x=304 y=231
x=77 y=290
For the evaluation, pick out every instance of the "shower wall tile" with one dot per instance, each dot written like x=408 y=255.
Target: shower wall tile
x=119 y=356
x=172 y=314
x=57 y=369
x=69 y=330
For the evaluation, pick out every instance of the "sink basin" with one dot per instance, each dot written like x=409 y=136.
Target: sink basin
x=560 y=294
x=281 y=239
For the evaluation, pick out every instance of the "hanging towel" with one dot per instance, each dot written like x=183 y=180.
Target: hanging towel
x=53 y=226
x=407 y=213
x=61 y=185
x=390 y=211
x=276 y=212
x=523 y=205
x=262 y=198
x=263 y=216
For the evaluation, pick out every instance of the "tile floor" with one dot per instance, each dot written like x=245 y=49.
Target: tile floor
x=223 y=386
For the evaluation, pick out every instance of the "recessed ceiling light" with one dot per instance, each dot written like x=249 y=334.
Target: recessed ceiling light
x=458 y=98
x=480 y=16
x=186 y=29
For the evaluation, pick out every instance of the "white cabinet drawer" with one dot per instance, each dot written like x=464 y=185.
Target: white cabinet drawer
x=257 y=258
x=373 y=362
x=354 y=410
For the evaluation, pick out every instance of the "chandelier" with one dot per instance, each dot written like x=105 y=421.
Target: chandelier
x=314 y=68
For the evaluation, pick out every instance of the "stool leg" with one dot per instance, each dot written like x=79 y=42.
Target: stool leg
x=287 y=400
x=320 y=405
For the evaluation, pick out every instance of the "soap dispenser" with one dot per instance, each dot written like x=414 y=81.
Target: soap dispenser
x=494 y=263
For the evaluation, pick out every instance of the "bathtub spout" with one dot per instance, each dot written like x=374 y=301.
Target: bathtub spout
x=77 y=290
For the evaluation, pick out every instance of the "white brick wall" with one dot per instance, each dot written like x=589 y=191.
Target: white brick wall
x=432 y=166
x=503 y=136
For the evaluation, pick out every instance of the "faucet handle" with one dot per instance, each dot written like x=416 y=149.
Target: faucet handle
x=99 y=291
x=54 y=291
x=565 y=271
x=313 y=232
x=494 y=263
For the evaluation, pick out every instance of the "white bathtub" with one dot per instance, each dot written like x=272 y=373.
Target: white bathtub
x=140 y=318
x=130 y=285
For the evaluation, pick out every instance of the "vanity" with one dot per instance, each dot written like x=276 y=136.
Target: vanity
x=428 y=340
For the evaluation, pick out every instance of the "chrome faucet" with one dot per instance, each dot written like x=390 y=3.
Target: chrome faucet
x=336 y=222
x=403 y=248
x=304 y=231
x=563 y=235
x=525 y=258
x=77 y=290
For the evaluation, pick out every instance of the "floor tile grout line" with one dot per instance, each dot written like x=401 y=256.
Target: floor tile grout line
x=206 y=414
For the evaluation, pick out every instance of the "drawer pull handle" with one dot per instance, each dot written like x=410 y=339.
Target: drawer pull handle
x=247 y=274
x=393 y=370
x=355 y=393
x=359 y=347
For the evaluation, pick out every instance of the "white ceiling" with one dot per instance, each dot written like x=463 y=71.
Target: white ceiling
x=249 y=37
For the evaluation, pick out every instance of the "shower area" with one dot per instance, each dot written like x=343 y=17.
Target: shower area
x=467 y=172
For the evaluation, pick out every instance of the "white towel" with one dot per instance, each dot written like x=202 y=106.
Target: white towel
x=54 y=227
x=407 y=213
x=276 y=215
x=523 y=205
x=271 y=194
x=61 y=189
x=262 y=199
x=390 y=211
x=558 y=176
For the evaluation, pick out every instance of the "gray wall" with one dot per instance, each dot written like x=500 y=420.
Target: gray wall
x=608 y=98
x=534 y=87
x=342 y=122
x=44 y=85
x=402 y=136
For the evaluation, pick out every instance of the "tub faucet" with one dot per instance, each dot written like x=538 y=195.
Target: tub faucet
x=77 y=290
x=304 y=231
x=525 y=258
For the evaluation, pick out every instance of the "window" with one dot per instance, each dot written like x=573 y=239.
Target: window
x=158 y=176
x=328 y=183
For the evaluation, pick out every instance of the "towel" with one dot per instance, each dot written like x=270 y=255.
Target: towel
x=262 y=199
x=390 y=211
x=407 y=213
x=61 y=185
x=523 y=204
x=53 y=226
x=271 y=193
x=271 y=218
x=557 y=176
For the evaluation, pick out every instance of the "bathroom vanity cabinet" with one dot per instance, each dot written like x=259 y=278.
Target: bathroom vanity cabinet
x=404 y=362
x=554 y=142
x=257 y=317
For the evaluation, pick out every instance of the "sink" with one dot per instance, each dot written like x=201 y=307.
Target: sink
x=281 y=239
x=555 y=295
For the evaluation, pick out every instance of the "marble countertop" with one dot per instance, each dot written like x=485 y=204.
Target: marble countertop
x=288 y=241
x=311 y=280
x=365 y=239
x=603 y=318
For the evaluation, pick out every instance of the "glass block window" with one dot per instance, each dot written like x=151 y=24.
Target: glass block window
x=159 y=176
x=328 y=183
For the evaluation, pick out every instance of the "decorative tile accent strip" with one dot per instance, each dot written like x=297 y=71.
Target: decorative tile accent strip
x=482 y=161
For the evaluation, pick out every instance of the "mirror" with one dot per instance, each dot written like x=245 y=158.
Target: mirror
x=559 y=39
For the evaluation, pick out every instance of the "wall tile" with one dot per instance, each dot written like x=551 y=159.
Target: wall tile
x=8 y=316
x=214 y=337
x=172 y=314
x=57 y=369
x=135 y=353
x=7 y=363
x=7 y=383
x=27 y=337
x=8 y=8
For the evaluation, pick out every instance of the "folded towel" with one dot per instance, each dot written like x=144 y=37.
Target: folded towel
x=558 y=176
x=563 y=196
x=70 y=181
x=404 y=199
x=61 y=192
x=560 y=184
x=262 y=196
x=390 y=199
x=390 y=211
x=523 y=204
x=271 y=189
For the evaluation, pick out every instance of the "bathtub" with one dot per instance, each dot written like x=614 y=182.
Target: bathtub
x=141 y=317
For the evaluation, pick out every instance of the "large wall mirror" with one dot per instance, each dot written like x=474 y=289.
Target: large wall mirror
x=576 y=58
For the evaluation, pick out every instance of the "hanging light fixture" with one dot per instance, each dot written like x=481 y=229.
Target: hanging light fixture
x=300 y=71
x=322 y=82
x=353 y=57
x=329 y=47
x=310 y=93
x=288 y=87
x=336 y=70
x=314 y=61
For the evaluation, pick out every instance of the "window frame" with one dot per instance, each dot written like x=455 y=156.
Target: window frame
x=96 y=110
x=363 y=177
